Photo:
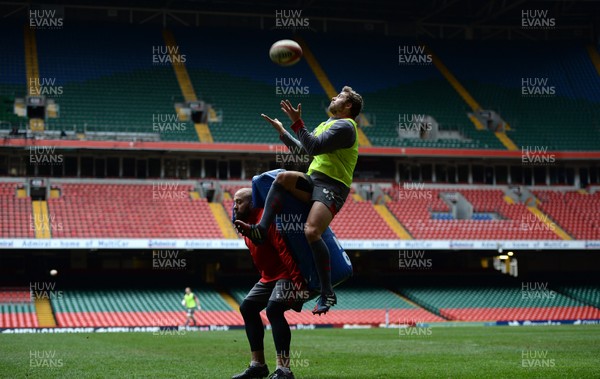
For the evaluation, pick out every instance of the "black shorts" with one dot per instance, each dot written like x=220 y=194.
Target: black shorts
x=327 y=191
x=190 y=312
x=280 y=291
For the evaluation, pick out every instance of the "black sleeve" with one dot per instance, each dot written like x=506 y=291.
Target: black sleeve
x=340 y=135
x=293 y=144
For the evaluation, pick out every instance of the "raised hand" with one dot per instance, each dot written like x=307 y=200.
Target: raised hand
x=293 y=113
x=275 y=123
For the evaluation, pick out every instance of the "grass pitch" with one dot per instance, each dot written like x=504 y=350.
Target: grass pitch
x=439 y=352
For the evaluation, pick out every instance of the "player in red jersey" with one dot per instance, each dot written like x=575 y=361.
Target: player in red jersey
x=281 y=287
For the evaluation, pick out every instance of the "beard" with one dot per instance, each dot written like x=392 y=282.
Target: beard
x=333 y=108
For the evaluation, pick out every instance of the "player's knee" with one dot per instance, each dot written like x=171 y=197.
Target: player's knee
x=284 y=179
x=312 y=233
x=275 y=311
x=246 y=308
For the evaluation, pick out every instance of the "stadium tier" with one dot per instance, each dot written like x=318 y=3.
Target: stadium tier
x=413 y=209
x=16 y=309
x=16 y=218
x=576 y=212
x=176 y=210
x=562 y=117
x=78 y=308
x=111 y=80
x=360 y=305
x=130 y=211
x=500 y=303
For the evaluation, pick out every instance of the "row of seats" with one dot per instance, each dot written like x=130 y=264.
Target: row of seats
x=111 y=82
x=167 y=210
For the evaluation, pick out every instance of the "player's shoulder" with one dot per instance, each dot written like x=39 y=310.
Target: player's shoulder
x=343 y=123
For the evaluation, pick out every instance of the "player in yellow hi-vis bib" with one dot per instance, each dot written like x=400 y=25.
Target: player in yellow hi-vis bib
x=191 y=303
x=334 y=148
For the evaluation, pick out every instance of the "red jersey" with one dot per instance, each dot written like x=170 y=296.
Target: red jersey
x=272 y=258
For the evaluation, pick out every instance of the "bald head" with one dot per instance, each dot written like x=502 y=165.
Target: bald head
x=242 y=203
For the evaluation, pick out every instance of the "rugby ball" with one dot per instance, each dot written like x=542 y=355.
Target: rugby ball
x=183 y=302
x=285 y=52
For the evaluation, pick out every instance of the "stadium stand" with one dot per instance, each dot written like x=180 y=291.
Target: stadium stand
x=16 y=218
x=128 y=210
x=480 y=303
x=357 y=305
x=534 y=121
x=91 y=62
x=16 y=309
x=576 y=212
x=415 y=215
x=77 y=308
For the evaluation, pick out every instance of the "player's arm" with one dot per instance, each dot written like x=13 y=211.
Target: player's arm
x=340 y=135
x=292 y=143
x=197 y=302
